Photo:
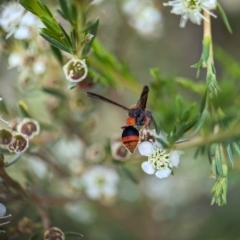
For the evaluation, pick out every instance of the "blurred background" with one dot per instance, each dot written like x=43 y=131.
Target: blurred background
x=142 y=206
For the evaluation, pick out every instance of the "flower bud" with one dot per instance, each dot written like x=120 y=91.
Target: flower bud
x=119 y=152
x=19 y=144
x=25 y=225
x=54 y=234
x=5 y=137
x=75 y=70
x=88 y=38
x=28 y=127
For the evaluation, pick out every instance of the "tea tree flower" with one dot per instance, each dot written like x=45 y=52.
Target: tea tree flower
x=3 y=215
x=54 y=233
x=16 y=21
x=100 y=182
x=75 y=70
x=143 y=17
x=29 y=127
x=19 y=144
x=160 y=161
x=191 y=9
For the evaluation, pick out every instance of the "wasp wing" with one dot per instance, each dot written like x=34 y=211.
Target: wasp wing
x=142 y=102
x=94 y=95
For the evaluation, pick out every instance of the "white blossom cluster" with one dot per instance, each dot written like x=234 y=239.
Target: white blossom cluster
x=191 y=9
x=18 y=22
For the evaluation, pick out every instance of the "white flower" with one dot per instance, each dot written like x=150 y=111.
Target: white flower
x=3 y=210
x=191 y=9
x=15 y=20
x=39 y=67
x=3 y=215
x=143 y=17
x=15 y=60
x=100 y=182
x=75 y=70
x=160 y=161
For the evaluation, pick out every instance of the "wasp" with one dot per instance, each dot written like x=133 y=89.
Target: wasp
x=138 y=115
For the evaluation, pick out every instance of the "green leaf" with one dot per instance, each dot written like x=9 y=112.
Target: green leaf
x=201 y=121
x=4 y=152
x=73 y=234
x=191 y=85
x=52 y=32
x=3 y=107
x=218 y=160
x=198 y=65
x=72 y=85
x=179 y=103
x=55 y=92
x=224 y=17
x=155 y=73
x=57 y=53
x=65 y=10
x=190 y=124
x=56 y=43
x=203 y=101
x=93 y=31
x=73 y=37
x=13 y=160
x=23 y=109
x=230 y=153
x=236 y=148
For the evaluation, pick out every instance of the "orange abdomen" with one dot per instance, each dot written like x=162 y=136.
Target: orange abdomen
x=130 y=137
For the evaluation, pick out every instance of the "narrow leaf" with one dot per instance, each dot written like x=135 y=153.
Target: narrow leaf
x=224 y=17
x=218 y=160
x=236 y=148
x=73 y=233
x=23 y=109
x=55 y=92
x=72 y=85
x=200 y=121
x=56 y=43
x=13 y=160
x=57 y=53
x=230 y=154
x=64 y=7
x=92 y=31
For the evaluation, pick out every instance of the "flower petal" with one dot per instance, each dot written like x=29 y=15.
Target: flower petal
x=175 y=157
x=145 y=148
x=148 y=168
x=163 y=173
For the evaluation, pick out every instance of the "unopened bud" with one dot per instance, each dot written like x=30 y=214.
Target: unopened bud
x=5 y=137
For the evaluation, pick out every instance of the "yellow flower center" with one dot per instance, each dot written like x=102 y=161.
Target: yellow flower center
x=159 y=159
